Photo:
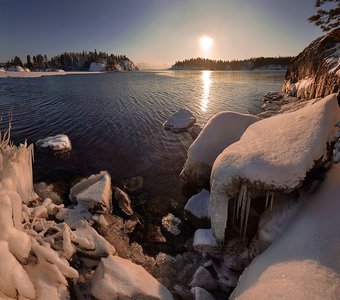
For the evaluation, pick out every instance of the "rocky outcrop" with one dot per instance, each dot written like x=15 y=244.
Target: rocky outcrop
x=315 y=72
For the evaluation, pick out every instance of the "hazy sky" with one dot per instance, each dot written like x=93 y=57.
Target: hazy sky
x=156 y=31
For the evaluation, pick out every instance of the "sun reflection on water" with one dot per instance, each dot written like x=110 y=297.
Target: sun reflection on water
x=205 y=77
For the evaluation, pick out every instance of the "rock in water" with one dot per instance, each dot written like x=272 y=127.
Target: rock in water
x=94 y=192
x=220 y=131
x=59 y=143
x=133 y=184
x=118 y=278
x=197 y=209
x=180 y=120
x=124 y=201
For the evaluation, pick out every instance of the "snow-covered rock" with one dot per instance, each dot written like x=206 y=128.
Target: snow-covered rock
x=97 y=67
x=203 y=279
x=197 y=209
x=118 y=278
x=16 y=69
x=94 y=192
x=45 y=190
x=180 y=120
x=72 y=216
x=315 y=72
x=273 y=154
x=205 y=241
x=171 y=223
x=303 y=263
x=58 y=143
x=220 y=131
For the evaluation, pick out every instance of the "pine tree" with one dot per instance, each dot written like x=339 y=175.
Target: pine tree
x=326 y=19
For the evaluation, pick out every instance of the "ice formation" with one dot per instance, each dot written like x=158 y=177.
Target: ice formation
x=59 y=143
x=94 y=192
x=303 y=263
x=220 y=131
x=118 y=278
x=180 y=120
x=261 y=162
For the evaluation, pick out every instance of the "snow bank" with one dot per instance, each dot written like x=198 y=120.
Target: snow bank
x=220 y=131
x=97 y=67
x=16 y=69
x=118 y=278
x=2 y=70
x=180 y=120
x=94 y=192
x=59 y=143
x=273 y=154
x=304 y=262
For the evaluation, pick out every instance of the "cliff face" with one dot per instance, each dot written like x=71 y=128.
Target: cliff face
x=315 y=72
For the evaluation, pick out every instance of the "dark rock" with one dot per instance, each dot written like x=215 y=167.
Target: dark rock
x=133 y=184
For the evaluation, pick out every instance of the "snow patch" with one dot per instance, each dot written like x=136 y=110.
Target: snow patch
x=180 y=120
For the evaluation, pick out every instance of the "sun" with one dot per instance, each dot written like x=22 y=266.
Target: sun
x=206 y=42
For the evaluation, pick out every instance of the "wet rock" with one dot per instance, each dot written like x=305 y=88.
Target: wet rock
x=94 y=192
x=44 y=190
x=124 y=201
x=133 y=184
x=154 y=234
x=171 y=223
x=203 y=279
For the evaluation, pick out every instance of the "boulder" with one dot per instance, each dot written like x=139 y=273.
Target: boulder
x=94 y=192
x=118 y=278
x=197 y=209
x=180 y=120
x=124 y=201
x=59 y=143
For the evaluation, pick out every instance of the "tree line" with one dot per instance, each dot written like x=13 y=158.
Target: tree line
x=72 y=61
x=245 y=64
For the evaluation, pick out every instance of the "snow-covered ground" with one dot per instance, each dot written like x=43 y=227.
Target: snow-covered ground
x=41 y=74
x=304 y=262
x=272 y=155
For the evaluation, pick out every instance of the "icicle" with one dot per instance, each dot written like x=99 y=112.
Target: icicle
x=247 y=215
x=234 y=210
x=272 y=200
x=243 y=207
x=267 y=199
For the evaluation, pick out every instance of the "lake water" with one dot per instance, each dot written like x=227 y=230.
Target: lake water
x=114 y=120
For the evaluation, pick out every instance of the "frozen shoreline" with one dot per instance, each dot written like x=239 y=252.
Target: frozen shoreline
x=13 y=74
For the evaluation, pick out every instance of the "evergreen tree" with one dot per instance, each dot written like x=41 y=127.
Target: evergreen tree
x=326 y=19
x=29 y=62
x=17 y=61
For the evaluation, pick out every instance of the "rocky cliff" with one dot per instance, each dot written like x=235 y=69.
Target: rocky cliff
x=315 y=72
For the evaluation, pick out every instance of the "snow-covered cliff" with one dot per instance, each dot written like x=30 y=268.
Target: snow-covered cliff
x=315 y=72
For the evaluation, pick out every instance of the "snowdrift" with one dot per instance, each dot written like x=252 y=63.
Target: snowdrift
x=304 y=262
x=272 y=155
x=220 y=131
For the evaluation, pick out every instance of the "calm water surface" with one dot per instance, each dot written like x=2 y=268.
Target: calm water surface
x=114 y=120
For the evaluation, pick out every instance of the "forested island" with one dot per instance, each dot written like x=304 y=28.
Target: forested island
x=74 y=61
x=261 y=63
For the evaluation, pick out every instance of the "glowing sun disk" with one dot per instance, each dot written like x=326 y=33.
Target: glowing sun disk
x=206 y=43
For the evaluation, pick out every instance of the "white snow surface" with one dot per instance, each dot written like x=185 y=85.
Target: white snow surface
x=272 y=154
x=180 y=120
x=304 y=262
x=94 y=192
x=16 y=69
x=199 y=204
x=204 y=237
x=97 y=67
x=118 y=278
x=60 y=142
x=219 y=132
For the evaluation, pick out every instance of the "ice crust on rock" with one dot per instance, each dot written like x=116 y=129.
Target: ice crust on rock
x=118 y=278
x=220 y=131
x=260 y=160
x=94 y=192
x=180 y=120
x=303 y=263
x=58 y=143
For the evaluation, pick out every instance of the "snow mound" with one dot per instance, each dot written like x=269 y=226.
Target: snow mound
x=273 y=154
x=180 y=120
x=303 y=263
x=16 y=69
x=118 y=278
x=220 y=131
x=204 y=238
x=97 y=67
x=59 y=143
x=2 y=70
x=198 y=206
x=94 y=192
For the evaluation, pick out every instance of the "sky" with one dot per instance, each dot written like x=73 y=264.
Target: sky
x=156 y=33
